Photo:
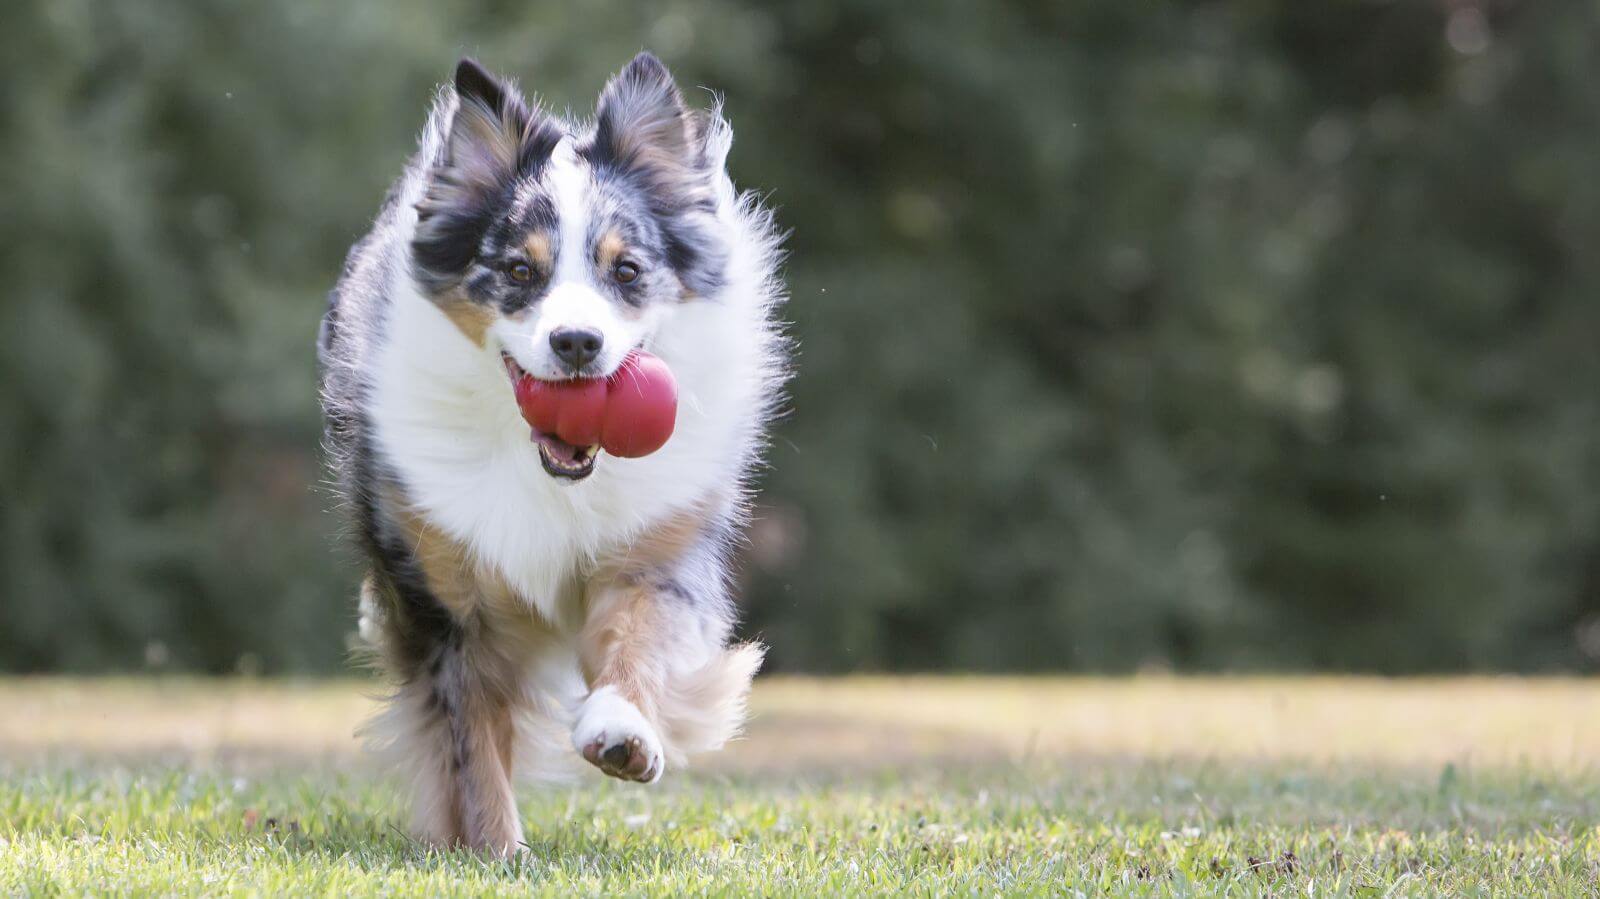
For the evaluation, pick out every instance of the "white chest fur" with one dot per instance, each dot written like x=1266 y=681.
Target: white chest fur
x=447 y=424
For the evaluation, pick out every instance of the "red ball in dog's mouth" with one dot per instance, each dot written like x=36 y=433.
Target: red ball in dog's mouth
x=629 y=414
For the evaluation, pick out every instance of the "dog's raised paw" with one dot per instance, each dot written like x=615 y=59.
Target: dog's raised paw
x=629 y=759
x=613 y=736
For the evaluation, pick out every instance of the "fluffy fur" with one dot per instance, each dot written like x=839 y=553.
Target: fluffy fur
x=507 y=602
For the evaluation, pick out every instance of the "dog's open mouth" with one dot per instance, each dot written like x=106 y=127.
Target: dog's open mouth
x=560 y=458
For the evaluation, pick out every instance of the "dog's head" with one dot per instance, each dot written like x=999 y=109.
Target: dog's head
x=562 y=247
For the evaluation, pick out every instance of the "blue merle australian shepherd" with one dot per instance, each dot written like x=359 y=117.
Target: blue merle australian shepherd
x=519 y=588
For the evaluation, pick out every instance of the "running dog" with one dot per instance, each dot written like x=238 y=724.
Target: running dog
x=517 y=584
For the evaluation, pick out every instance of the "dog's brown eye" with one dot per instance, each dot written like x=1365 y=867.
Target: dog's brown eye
x=520 y=271
x=625 y=272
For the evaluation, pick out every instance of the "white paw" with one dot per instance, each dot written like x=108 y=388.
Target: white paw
x=612 y=736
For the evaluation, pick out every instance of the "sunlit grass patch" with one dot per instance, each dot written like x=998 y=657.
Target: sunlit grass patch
x=1124 y=792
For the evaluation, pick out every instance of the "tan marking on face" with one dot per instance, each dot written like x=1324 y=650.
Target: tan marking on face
x=609 y=250
x=540 y=251
x=472 y=319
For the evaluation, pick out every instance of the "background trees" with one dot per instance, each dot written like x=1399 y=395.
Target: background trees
x=1191 y=335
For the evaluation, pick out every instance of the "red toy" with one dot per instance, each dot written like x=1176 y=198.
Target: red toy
x=630 y=414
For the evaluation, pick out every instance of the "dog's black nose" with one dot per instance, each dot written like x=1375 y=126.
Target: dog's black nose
x=576 y=346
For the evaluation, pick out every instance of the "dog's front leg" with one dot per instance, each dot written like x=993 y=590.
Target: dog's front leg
x=624 y=665
x=467 y=785
x=662 y=682
x=450 y=722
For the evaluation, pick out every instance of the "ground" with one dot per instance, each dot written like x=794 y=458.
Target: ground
x=1144 y=786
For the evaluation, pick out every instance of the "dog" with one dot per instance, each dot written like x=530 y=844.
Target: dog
x=519 y=586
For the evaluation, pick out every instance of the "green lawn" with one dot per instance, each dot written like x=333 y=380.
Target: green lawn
x=1150 y=786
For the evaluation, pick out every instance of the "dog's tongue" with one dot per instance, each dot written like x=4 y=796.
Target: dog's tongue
x=630 y=414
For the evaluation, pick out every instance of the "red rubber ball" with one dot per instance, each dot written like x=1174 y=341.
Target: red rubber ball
x=641 y=407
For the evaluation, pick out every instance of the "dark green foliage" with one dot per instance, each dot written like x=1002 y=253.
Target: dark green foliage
x=1250 y=335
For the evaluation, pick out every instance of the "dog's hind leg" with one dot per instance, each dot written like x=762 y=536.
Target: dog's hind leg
x=663 y=681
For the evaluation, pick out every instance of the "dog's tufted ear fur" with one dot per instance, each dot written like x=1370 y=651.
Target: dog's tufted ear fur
x=495 y=138
x=642 y=119
x=645 y=131
x=476 y=83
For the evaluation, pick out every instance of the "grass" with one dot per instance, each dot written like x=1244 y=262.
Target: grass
x=1148 y=786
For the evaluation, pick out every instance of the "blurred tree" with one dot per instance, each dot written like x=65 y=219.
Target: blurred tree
x=1193 y=335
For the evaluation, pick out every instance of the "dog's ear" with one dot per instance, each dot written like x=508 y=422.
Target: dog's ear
x=485 y=146
x=644 y=131
x=474 y=82
x=642 y=120
x=495 y=137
